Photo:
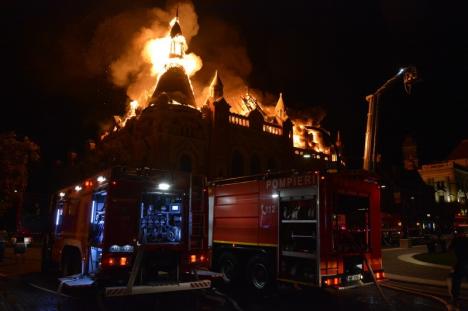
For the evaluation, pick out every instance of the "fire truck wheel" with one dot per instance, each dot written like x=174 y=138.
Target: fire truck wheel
x=228 y=265
x=259 y=274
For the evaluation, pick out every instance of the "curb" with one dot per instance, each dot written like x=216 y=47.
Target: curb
x=410 y=258
x=416 y=280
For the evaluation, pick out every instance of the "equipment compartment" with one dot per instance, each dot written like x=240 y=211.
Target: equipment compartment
x=160 y=218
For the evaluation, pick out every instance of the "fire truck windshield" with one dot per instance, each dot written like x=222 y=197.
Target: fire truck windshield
x=351 y=227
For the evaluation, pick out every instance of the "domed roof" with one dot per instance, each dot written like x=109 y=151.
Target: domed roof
x=175 y=83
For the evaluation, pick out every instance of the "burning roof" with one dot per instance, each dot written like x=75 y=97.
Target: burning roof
x=175 y=83
x=173 y=67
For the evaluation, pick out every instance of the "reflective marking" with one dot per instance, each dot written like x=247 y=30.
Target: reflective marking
x=143 y=289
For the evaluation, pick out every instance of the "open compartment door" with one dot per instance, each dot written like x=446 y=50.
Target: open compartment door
x=298 y=249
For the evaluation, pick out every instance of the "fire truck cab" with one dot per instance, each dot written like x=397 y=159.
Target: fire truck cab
x=305 y=228
x=126 y=228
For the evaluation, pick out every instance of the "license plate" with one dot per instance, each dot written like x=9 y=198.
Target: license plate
x=355 y=277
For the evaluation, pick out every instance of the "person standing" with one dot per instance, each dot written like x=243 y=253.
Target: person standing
x=460 y=270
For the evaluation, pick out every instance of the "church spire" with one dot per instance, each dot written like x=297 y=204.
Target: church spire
x=177 y=39
x=216 y=87
x=280 y=109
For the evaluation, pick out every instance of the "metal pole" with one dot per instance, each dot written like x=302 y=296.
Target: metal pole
x=369 y=133
x=376 y=98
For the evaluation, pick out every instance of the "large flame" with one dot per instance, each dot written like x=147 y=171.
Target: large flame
x=304 y=136
x=163 y=53
x=156 y=52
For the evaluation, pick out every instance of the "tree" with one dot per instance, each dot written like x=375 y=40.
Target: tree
x=16 y=155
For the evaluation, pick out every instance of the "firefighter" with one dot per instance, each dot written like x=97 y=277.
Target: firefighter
x=460 y=270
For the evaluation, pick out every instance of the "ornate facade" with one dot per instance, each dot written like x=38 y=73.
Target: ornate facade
x=450 y=178
x=174 y=132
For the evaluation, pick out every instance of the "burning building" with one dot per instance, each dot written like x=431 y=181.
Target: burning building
x=172 y=130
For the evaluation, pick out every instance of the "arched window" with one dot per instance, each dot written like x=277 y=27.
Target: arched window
x=237 y=164
x=185 y=163
x=255 y=166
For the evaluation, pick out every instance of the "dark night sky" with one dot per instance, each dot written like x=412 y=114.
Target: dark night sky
x=329 y=53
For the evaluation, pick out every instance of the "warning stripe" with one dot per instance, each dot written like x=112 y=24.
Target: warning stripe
x=200 y=284
x=121 y=291
x=116 y=291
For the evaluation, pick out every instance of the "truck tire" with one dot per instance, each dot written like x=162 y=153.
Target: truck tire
x=229 y=266
x=259 y=273
x=71 y=262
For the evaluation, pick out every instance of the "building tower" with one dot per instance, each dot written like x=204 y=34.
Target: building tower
x=216 y=87
x=177 y=39
x=174 y=82
x=280 y=110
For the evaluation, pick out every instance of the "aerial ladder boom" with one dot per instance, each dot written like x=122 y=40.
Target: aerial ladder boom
x=409 y=75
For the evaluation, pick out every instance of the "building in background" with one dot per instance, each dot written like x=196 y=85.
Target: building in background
x=449 y=180
x=214 y=138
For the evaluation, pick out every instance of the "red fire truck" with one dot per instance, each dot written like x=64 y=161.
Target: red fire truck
x=301 y=227
x=125 y=229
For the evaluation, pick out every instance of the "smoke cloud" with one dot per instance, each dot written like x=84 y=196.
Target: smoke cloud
x=223 y=49
x=119 y=42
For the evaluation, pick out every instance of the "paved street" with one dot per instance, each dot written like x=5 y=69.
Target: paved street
x=23 y=287
x=394 y=265
x=431 y=278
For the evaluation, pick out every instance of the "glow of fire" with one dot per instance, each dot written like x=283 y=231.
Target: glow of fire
x=133 y=107
x=303 y=138
x=164 y=53
x=299 y=140
x=158 y=53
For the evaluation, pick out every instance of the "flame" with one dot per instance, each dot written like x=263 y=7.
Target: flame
x=156 y=52
x=163 y=53
x=308 y=138
x=299 y=140
x=133 y=107
x=304 y=137
x=166 y=52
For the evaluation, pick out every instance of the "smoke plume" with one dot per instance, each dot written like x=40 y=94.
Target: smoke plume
x=119 y=42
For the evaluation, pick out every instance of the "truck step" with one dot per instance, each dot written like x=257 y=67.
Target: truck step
x=153 y=289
